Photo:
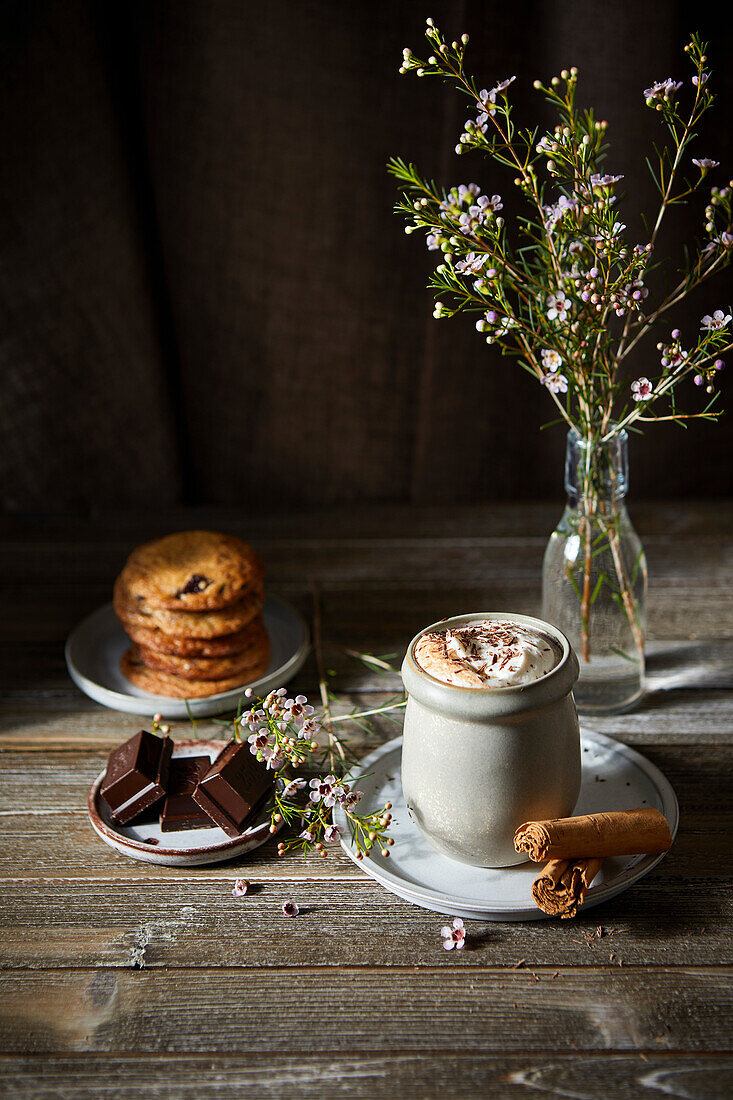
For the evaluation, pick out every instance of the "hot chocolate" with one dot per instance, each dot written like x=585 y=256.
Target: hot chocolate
x=488 y=654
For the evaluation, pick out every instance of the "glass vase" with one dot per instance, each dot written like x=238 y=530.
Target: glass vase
x=594 y=577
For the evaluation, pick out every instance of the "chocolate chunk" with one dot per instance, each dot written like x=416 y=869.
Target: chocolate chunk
x=234 y=787
x=196 y=583
x=137 y=774
x=179 y=809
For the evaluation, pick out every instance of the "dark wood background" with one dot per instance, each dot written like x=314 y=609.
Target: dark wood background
x=204 y=294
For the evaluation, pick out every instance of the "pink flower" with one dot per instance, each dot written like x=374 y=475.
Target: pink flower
x=557 y=306
x=455 y=936
x=556 y=383
x=641 y=389
x=290 y=909
x=293 y=786
x=718 y=320
x=241 y=886
x=551 y=360
x=327 y=789
x=333 y=832
x=258 y=741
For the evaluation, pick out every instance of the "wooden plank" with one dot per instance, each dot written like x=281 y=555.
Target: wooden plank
x=57 y=842
x=52 y=722
x=188 y=922
x=58 y=782
x=63 y=847
x=120 y=531
x=374 y=1009
x=335 y=562
x=427 y=1074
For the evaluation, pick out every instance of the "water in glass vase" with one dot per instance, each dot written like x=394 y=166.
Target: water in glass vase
x=594 y=577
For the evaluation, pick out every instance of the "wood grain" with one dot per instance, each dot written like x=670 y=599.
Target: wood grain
x=428 y=1074
x=189 y=921
x=221 y=1010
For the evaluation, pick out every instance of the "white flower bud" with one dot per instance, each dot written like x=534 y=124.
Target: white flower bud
x=537 y=84
x=555 y=81
x=464 y=39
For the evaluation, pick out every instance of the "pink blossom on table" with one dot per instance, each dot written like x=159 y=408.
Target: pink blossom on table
x=558 y=306
x=351 y=798
x=454 y=936
x=241 y=886
x=705 y=163
x=332 y=833
x=718 y=320
x=551 y=360
x=641 y=389
x=290 y=908
x=307 y=835
x=556 y=383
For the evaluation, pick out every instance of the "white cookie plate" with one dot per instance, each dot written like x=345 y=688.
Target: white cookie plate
x=95 y=646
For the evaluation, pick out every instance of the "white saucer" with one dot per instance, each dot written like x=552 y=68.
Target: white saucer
x=615 y=777
x=95 y=646
x=185 y=848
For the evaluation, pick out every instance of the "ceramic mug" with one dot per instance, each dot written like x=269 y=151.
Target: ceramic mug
x=479 y=762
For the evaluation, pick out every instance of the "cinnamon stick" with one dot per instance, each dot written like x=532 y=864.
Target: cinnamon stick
x=621 y=833
x=561 y=886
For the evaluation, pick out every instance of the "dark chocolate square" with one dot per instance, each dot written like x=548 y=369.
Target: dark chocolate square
x=234 y=787
x=136 y=776
x=179 y=810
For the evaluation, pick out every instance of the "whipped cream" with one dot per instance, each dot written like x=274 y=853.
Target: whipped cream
x=487 y=653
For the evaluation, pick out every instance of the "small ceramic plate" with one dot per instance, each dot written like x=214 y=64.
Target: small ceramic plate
x=143 y=839
x=615 y=777
x=95 y=646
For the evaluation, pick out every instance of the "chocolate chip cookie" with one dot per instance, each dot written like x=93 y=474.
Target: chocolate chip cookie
x=174 y=687
x=138 y=613
x=255 y=651
x=193 y=571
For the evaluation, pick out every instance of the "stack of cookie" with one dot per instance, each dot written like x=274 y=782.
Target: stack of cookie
x=192 y=605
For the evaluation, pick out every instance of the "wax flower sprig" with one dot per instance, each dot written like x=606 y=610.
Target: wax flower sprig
x=283 y=733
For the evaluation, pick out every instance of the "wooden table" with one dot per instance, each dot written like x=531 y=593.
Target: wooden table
x=121 y=977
